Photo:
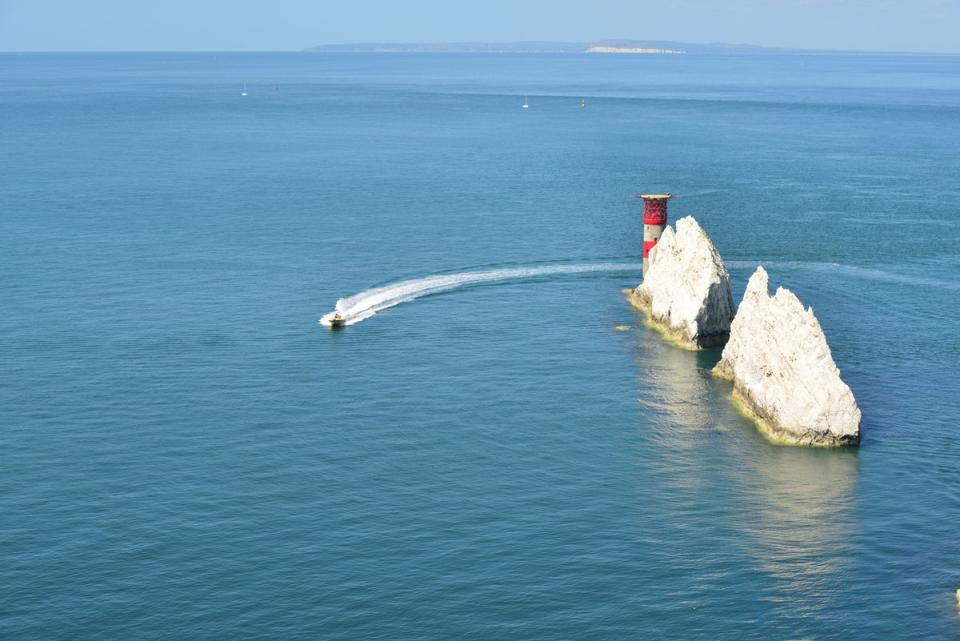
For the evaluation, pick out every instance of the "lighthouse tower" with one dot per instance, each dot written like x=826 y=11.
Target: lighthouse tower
x=654 y=220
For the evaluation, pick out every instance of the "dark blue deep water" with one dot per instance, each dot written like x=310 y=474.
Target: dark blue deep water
x=186 y=454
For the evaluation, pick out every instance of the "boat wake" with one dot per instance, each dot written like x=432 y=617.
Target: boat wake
x=849 y=271
x=360 y=307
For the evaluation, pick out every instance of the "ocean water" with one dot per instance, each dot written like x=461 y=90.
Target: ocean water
x=188 y=454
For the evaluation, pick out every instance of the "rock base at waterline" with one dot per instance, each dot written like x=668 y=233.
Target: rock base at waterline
x=783 y=372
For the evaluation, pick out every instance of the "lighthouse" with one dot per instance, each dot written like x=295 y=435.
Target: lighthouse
x=654 y=220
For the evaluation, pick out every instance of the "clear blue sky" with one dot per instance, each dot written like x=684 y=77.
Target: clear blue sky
x=278 y=25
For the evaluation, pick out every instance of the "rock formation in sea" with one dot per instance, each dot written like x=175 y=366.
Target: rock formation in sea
x=686 y=292
x=783 y=372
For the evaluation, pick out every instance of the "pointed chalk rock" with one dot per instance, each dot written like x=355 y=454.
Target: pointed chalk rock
x=783 y=372
x=686 y=290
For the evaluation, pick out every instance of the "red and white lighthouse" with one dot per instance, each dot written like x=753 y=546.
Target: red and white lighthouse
x=654 y=220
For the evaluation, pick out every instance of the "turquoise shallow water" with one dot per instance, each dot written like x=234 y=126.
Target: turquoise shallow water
x=188 y=455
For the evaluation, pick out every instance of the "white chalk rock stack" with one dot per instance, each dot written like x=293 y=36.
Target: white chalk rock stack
x=783 y=372
x=686 y=290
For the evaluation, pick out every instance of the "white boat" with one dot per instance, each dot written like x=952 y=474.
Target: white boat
x=244 y=91
x=525 y=104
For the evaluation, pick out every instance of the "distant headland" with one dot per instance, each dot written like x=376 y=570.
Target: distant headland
x=626 y=47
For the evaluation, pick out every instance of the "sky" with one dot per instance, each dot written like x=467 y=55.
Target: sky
x=290 y=25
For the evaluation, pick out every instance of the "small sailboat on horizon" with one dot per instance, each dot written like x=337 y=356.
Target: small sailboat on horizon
x=525 y=105
x=243 y=92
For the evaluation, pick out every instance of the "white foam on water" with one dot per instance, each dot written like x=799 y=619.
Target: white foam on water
x=360 y=307
x=784 y=264
x=696 y=194
x=850 y=271
x=872 y=273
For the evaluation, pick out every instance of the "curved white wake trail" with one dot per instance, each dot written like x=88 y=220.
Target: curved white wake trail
x=362 y=306
x=850 y=271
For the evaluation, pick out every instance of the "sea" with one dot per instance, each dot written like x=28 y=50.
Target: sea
x=497 y=446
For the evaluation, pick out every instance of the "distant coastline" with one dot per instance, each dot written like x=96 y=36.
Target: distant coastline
x=614 y=47
x=641 y=50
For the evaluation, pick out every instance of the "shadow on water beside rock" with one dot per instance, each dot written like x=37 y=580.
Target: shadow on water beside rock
x=706 y=359
x=790 y=512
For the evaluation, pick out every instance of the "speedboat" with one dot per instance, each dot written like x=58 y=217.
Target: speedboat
x=337 y=321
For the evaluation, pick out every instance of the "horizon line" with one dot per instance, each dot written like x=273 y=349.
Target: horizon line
x=309 y=50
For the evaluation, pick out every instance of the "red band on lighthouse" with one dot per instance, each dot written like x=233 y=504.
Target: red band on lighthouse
x=654 y=211
x=654 y=220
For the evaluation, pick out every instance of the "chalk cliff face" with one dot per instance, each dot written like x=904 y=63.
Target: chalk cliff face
x=783 y=372
x=686 y=290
